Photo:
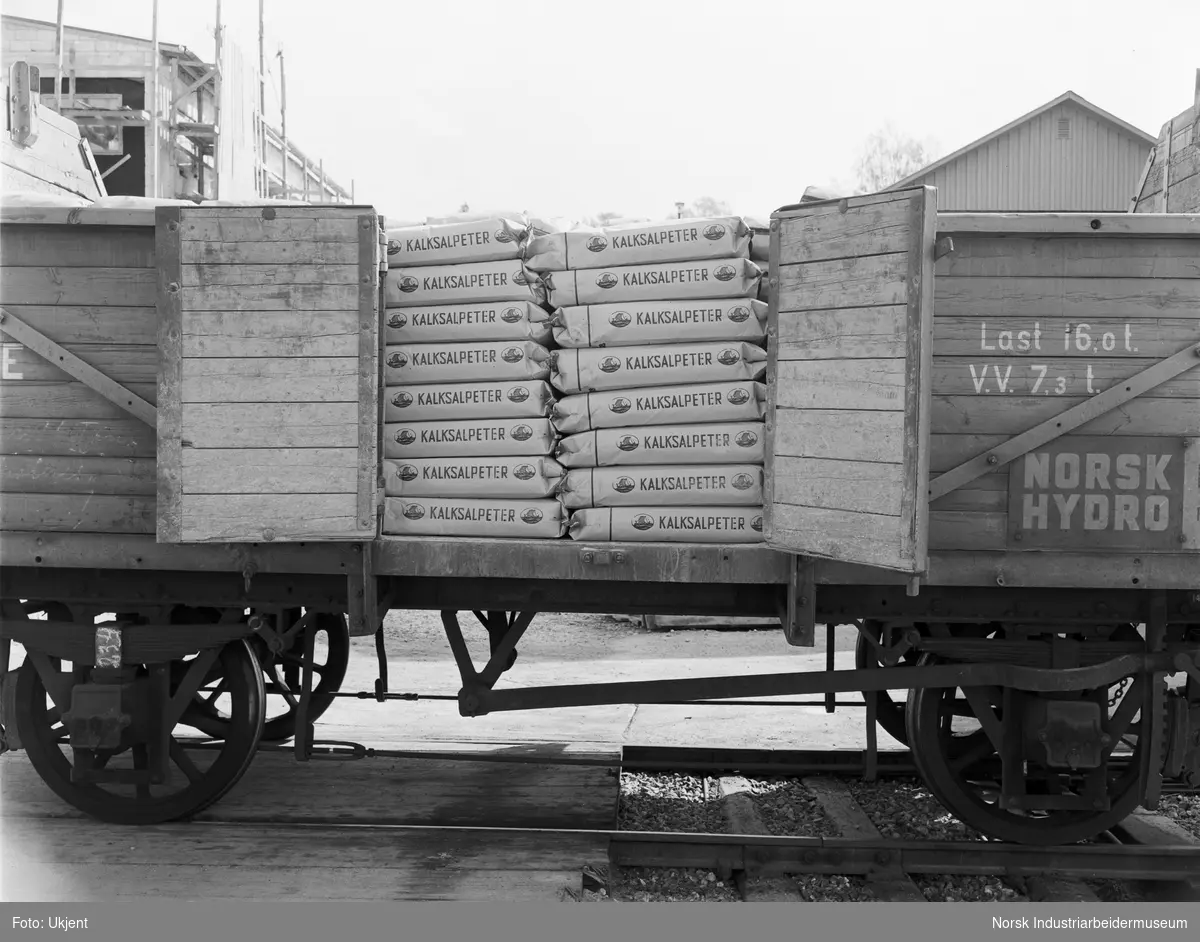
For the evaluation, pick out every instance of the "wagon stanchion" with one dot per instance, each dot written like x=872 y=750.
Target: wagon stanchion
x=304 y=719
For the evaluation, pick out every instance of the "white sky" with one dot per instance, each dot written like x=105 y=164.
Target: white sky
x=569 y=109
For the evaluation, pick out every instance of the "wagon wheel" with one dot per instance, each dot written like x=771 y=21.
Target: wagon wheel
x=948 y=743
x=888 y=712
x=282 y=672
x=199 y=777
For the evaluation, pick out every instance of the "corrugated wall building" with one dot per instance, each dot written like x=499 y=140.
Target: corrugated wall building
x=1066 y=156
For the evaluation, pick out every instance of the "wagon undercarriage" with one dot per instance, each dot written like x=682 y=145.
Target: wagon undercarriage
x=1035 y=716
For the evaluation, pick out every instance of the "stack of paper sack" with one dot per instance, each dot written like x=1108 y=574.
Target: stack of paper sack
x=468 y=441
x=662 y=341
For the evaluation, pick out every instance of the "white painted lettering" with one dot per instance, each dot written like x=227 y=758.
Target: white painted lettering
x=1157 y=511
x=983 y=341
x=1097 y=472
x=1066 y=506
x=1037 y=470
x=1066 y=471
x=1095 y=512
x=7 y=361
x=1035 y=512
x=1156 y=466
x=1125 y=516
x=1128 y=468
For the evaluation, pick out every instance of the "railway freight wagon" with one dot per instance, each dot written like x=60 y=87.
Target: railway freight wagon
x=981 y=450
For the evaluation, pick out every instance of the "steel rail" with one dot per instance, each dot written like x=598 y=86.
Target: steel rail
x=792 y=763
x=756 y=853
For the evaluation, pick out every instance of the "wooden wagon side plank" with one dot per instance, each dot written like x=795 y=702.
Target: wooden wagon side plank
x=1073 y=418
x=66 y=361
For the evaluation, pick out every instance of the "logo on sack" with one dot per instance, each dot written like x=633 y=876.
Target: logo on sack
x=623 y=485
x=409 y=284
x=743 y=482
x=620 y=319
x=610 y=364
x=522 y=433
x=512 y=355
x=620 y=405
x=532 y=515
x=739 y=396
x=397 y=320
x=407 y=473
x=406 y=436
x=510 y=315
x=739 y=314
x=643 y=522
x=725 y=273
x=402 y=400
x=714 y=232
x=518 y=394
x=728 y=357
x=628 y=443
x=597 y=243
x=607 y=280
x=397 y=360
x=393 y=247
x=503 y=235
x=524 y=472
x=747 y=439
x=414 y=511
x=757 y=524
x=520 y=277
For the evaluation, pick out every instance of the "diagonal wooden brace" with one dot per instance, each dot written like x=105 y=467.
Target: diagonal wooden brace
x=1111 y=398
x=66 y=361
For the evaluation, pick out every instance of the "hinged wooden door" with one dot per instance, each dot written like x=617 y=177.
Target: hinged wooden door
x=851 y=323
x=268 y=373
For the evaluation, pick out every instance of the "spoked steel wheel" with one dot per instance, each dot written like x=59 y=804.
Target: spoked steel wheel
x=960 y=764
x=198 y=776
x=282 y=673
x=888 y=712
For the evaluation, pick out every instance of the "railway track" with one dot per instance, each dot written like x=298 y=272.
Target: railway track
x=745 y=859
x=682 y=759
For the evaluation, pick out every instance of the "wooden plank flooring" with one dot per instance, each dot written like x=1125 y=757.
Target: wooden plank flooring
x=275 y=835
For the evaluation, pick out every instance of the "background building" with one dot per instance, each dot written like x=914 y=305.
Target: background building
x=200 y=131
x=1066 y=156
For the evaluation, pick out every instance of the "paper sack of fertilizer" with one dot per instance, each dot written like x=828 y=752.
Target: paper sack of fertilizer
x=494 y=361
x=459 y=284
x=724 y=443
x=588 y=369
x=678 y=485
x=454 y=516
x=679 y=240
x=456 y=401
x=660 y=322
x=490 y=477
x=472 y=437
x=669 y=524
x=481 y=240
x=460 y=323
x=674 y=281
x=660 y=405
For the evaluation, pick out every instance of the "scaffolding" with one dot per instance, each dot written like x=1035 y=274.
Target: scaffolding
x=182 y=117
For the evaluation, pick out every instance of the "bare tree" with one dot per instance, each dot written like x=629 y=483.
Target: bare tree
x=706 y=207
x=888 y=157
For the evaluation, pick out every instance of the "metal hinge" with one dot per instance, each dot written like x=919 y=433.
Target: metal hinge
x=24 y=102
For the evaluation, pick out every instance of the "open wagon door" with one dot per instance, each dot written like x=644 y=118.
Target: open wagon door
x=268 y=401
x=851 y=324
